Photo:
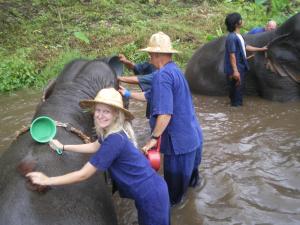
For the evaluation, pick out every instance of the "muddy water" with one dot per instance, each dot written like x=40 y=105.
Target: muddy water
x=16 y=110
x=251 y=160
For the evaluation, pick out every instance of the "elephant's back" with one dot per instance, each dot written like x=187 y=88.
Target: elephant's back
x=88 y=202
x=204 y=71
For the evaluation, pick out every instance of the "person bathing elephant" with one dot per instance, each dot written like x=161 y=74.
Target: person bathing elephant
x=172 y=119
x=273 y=75
x=85 y=203
x=116 y=151
x=235 y=61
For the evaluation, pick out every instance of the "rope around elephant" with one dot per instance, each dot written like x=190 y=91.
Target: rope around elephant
x=25 y=167
x=86 y=139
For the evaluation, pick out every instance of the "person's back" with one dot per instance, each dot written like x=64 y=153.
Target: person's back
x=143 y=68
x=129 y=168
x=271 y=25
x=257 y=30
x=145 y=72
x=181 y=105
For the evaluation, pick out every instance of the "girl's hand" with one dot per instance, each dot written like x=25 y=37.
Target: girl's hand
x=55 y=144
x=38 y=178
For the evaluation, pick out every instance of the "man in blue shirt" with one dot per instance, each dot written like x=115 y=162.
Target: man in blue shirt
x=271 y=25
x=235 y=59
x=143 y=73
x=172 y=116
x=143 y=76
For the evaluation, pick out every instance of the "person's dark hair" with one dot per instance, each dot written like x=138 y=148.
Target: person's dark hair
x=232 y=20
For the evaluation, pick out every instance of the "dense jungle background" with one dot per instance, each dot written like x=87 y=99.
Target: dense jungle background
x=38 y=37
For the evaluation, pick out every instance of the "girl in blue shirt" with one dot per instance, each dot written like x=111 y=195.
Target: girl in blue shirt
x=116 y=152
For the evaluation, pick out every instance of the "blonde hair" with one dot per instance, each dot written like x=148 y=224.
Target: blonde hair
x=118 y=125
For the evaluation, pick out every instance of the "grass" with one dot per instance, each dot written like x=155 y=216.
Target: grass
x=42 y=36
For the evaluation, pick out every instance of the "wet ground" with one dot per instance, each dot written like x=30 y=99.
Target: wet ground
x=251 y=160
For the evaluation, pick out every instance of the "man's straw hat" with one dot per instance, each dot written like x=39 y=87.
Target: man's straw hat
x=108 y=96
x=160 y=43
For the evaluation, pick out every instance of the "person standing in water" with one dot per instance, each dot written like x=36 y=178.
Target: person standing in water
x=116 y=151
x=173 y=118
x=235 y=58
x=143 y=76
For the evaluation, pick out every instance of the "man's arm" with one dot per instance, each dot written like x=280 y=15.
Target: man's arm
x=162 y=122
x=129 y=79
x=236 y=74
x=140 y=96
x=255 y=49
x=130 y=65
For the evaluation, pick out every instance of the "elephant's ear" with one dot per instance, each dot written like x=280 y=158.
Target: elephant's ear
x=48 y=89
x=283 y=56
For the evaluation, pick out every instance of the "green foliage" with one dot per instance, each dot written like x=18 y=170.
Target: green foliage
x=279 y=10
x=81 y=36
x=219 y=33
x=58 y=31
x=56 y=65
x=16 y=72
x=131 y=50
x=260 y=2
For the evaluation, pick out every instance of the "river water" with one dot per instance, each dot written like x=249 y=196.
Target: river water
x=251 y=160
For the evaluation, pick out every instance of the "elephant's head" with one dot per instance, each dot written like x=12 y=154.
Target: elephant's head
x=85 y=203
x=284 y=51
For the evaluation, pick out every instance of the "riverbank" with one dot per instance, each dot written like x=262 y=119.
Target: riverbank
x=39 y=37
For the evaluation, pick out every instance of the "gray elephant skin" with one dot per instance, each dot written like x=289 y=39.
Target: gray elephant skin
x=274 y=75
x=88 y=202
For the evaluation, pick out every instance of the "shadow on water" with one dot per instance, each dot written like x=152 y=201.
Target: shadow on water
x=250 y=167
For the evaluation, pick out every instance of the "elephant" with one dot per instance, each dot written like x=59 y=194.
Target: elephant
x=273 y=75
x=88 y=202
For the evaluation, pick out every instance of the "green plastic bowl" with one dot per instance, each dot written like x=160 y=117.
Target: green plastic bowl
x=43 y=129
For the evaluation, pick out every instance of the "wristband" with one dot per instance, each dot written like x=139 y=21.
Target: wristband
x=154 y=137
x=127 y=94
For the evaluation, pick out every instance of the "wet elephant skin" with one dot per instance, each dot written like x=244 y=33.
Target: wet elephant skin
x=88 y=202
x=274 y=75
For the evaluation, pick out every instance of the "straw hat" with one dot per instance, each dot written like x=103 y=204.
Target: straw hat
x=160 y=43
x=108 y=96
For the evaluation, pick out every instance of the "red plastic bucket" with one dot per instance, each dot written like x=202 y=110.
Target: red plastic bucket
x=153 y=156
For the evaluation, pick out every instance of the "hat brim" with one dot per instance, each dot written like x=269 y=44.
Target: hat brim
x=91 y=103
x=155 y=50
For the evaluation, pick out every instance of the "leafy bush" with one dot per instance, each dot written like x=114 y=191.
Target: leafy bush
x=277 y=9
x=16 y=72
x=56 y=65
x=59 y=31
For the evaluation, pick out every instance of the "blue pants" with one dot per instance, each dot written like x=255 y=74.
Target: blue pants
x=236 y=92
x=153 y=204
x=180 y=171
x=194 y=180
